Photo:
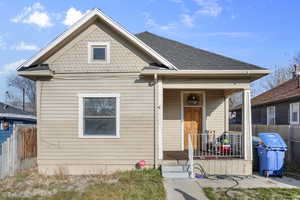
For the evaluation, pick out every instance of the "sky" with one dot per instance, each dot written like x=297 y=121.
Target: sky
x=261 y=32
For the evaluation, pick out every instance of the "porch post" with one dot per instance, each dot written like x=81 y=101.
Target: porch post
x=226 y=107
x=160 y=119
x=247 y=124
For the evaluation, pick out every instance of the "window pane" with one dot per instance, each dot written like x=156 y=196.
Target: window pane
x=104 y=106
x=100 y=127
x=98 y=53
x=295 y=117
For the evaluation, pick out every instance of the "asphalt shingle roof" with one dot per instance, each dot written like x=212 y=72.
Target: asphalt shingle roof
x=8 y=109
x=186 y=57
x=183 y=56
x=285 y=91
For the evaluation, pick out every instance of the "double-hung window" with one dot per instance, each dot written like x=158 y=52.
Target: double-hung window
x=271 y=115
x=99 y=115
x=294 y=113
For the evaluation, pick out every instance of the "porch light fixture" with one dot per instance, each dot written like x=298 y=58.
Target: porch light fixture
x=193 y=99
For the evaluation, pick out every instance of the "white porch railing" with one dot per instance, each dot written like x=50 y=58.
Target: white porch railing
x=217 y=146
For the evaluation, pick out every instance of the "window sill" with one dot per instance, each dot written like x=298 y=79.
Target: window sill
x=99 y=137
x=98 y=62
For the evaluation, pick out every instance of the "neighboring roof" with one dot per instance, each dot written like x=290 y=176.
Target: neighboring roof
x=9 y=111
x=288 y=90
x=186 y=57
x=86 y=18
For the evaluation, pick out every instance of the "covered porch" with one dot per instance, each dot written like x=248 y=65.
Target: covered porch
x=193 y=116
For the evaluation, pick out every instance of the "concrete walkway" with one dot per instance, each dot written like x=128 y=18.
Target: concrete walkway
x=183 y=189
x=191 y=189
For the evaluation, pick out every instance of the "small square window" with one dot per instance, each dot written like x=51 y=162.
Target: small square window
x=98 y=52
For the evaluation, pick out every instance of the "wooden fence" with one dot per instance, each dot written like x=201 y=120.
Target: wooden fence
x=19 y=151
x=290 y=134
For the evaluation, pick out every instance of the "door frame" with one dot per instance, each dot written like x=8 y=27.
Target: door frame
x=182 y=112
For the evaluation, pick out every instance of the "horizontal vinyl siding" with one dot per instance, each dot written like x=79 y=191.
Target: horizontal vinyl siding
x=282 y=113
x=172 y=120
x=58 y=128
x=215 y=111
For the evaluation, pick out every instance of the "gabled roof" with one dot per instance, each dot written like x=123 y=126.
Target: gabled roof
x=85 y=19
x=186 y=57
x=287 y=90
x=9 y=111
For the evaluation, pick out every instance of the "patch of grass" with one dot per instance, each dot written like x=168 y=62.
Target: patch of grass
x=253 y=193
x=131 y=185
x=209 y=192
x=21 y=177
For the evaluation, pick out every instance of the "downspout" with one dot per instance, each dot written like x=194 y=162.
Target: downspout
x=155 y=122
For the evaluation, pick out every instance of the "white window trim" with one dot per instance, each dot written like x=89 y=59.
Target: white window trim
x=80 y=120
x=107 y=52
x=291 y=113
x=268 y=117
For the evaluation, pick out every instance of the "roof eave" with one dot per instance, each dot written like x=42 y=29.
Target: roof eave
x=33 y=75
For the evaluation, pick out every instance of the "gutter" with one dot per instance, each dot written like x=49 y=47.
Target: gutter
x=206 y=72
x=17 y=116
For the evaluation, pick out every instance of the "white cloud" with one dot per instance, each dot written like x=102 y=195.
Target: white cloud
x=23 y=46
x=34 y=14
x=209 y=7
x=38 y=18
x=187 y=20
x=72 y=16
x=11 y=67
x=151 y=23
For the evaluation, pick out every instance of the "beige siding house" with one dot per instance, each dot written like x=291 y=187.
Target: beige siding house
x=107 y=99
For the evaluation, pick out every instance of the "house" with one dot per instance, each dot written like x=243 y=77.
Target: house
x=108 y=99
x=277 y=106
x=10 y=117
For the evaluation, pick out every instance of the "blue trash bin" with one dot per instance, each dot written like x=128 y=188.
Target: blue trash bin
x=271 y=154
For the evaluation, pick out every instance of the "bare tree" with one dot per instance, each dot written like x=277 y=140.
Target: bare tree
x=278 y=76
x=235 y=99
x=17 y=85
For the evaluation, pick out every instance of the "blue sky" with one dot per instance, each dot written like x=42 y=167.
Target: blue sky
x=262 y=32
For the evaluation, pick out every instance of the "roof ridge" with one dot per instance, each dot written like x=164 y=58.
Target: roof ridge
x=196 y=48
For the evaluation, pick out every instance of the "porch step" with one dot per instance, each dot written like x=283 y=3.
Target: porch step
x=175 y=171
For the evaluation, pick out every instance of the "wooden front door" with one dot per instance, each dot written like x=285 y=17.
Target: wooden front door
x=192 y=125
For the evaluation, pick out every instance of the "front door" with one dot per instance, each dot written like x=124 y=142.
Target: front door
x=192 y=125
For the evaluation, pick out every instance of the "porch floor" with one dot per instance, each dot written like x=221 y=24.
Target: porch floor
x=183 y=155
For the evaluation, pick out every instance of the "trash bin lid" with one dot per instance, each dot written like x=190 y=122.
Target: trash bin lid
x=272 y=140
x=256 y=140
